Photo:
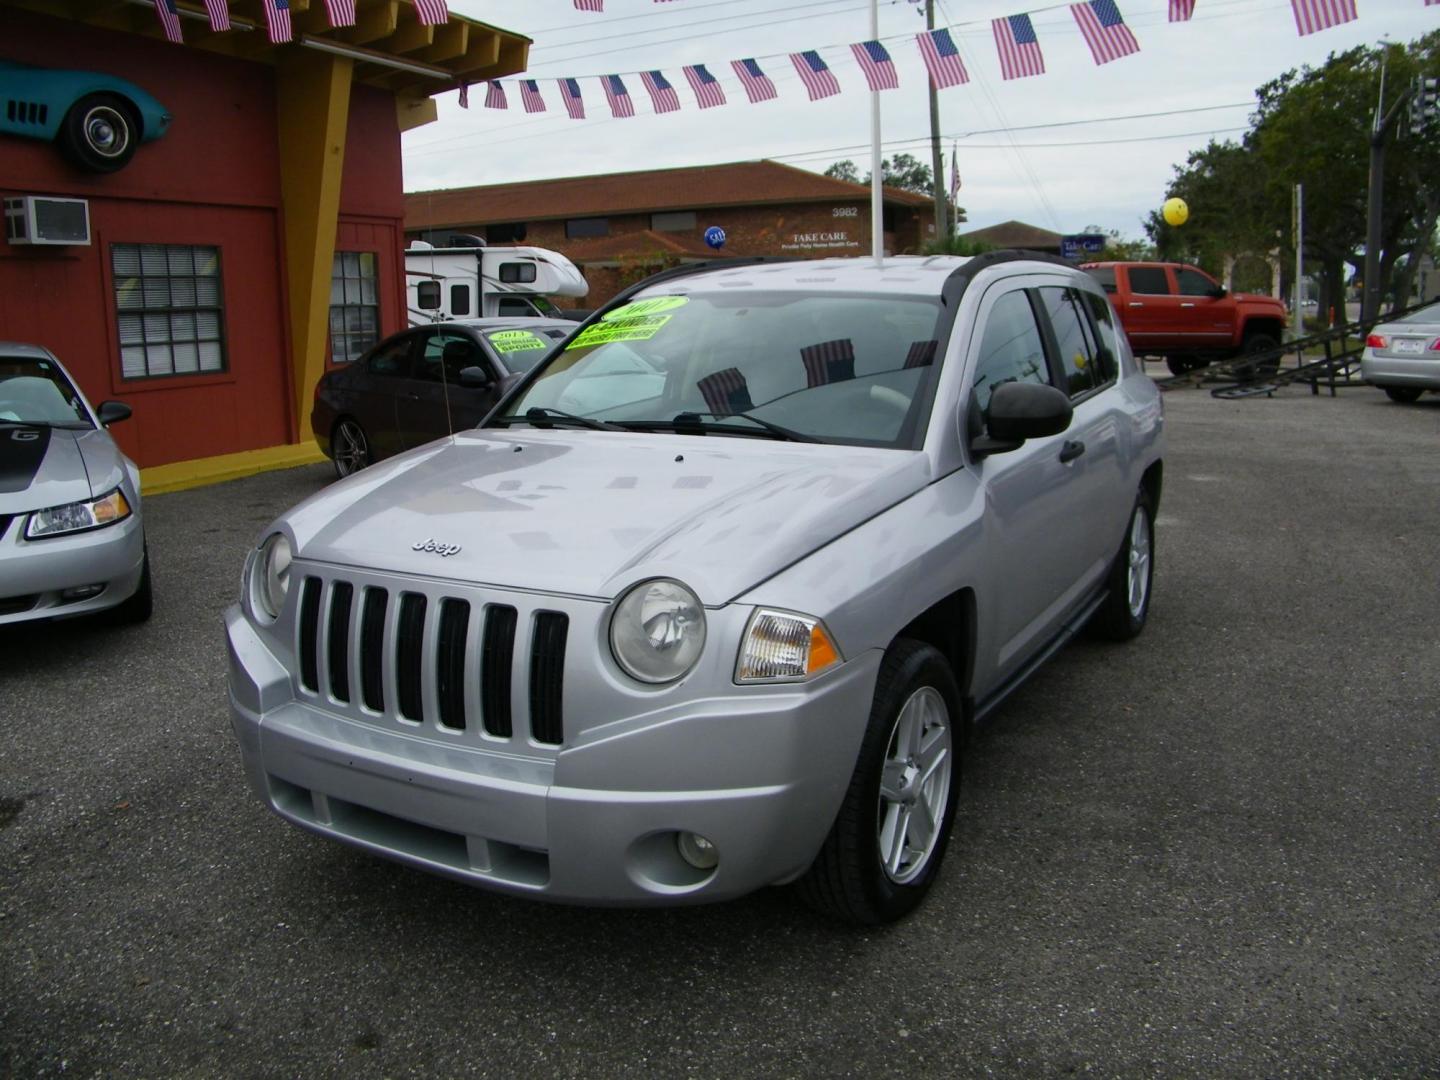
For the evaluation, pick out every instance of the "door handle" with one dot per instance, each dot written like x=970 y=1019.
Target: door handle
x=1136 y=303
x=1187 y=305
x=1071 y=450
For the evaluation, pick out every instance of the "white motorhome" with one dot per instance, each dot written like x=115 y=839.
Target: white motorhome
x=471 y=280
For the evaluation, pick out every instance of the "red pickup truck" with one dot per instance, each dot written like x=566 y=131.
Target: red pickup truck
x=1183 y=314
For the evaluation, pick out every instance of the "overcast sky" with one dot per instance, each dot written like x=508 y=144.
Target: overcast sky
x=1094 y=170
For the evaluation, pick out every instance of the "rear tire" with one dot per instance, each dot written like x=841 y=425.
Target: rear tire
x=349 y=448
x=1405 y=395
x=1132 y=576
x=885 y=848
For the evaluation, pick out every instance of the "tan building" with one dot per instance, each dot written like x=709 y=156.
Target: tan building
x=621 y=227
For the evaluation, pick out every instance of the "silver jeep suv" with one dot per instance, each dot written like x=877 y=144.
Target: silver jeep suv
x=710 y=600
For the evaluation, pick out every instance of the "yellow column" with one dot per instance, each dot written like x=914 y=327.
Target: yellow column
x=313 y=90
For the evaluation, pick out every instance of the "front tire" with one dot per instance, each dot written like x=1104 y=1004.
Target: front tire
x=1259 y=369
x=141 y=604
x=1404 y=395
x=349 y=448
x=1122 y=616
x=886 y=846
x=100 y=133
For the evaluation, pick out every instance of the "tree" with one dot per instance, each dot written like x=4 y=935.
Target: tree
x=1118 y=248
x=844 y=170
x=901 y=171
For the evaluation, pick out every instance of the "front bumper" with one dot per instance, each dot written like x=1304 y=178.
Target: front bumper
x=584 y=824
x=34 y=574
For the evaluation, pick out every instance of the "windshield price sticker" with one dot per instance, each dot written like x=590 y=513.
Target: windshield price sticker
x=645 y=307
x=508 y=341
x=601 y=333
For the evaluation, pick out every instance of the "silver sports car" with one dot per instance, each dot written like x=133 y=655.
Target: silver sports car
x=71 y=538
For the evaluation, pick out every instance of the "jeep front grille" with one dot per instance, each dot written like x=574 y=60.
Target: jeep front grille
x=444 y=663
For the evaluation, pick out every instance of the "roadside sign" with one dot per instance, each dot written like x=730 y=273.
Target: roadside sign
x=1081 y=244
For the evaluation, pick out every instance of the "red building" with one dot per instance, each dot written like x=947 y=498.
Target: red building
x=619 y=227
x=261 y=235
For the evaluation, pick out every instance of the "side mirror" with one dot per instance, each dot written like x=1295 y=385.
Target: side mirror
x=112 y=412
x=427 y=296
x=475 y=378
x=1217 y=293
x=1020 y=411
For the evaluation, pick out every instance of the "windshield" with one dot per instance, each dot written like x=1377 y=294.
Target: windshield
x=858 y=370
x=37 y=392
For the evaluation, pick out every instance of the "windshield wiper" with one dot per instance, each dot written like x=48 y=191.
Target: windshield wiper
x=542 y=416
x=692 y=423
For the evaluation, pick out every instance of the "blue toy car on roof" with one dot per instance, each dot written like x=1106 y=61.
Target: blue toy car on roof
x=97 y=119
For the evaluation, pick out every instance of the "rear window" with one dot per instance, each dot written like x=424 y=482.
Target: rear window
x=1429 y=314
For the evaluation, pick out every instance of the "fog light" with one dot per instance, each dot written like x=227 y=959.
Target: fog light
x=697 y=851
x=81 y=592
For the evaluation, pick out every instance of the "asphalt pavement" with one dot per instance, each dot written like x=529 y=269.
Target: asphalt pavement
x=1214 y=851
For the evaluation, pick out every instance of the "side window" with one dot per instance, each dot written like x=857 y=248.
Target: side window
x=1073 y=337
x=455 y=352
x=459 y=300
x=517 y=273
x=1149 y=280
x=1104 y=319
x=1105 y=275
x=391 y=358
x=1011 y=349
x=515 y=306
x=1193 y=283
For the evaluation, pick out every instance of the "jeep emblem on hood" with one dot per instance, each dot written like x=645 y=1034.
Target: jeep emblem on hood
x=429 y=544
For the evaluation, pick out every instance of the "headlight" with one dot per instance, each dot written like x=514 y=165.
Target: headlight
x=658 y=631
x=781 y=646
x=272 y=577
x=76 y=517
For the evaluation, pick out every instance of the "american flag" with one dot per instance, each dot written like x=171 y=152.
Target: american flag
x=707 y=90
x=758 y=86
x=828 y=361
x=277 y=20
x=618 y=96
x=495 y=95
x=589 y=5
x=819 y=80
x=570 y=94
x=875 y=62
x=169 y=20
x=530 y=96
x=726 y=392
x=432 y=12
x=942 y=59
x=1313 y=15
x=1181 y=10
x=219 y=12
x=341 y=12
x=464 y=95
x=1019 y=47
x=1105 y=30
x=662 y=94
x=954 y=176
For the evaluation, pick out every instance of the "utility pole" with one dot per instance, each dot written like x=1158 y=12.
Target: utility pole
x=1379 y=136
x=1299 y=313
x=937 y=164
x=877 y=202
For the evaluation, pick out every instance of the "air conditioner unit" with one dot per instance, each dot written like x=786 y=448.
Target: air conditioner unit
x=40 y=219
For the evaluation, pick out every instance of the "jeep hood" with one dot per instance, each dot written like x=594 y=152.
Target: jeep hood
x=590 y=512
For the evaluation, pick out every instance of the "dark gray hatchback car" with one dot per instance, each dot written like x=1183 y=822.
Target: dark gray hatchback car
x=424 y=383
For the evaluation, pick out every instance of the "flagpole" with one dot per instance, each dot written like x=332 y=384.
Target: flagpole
x=877 y=212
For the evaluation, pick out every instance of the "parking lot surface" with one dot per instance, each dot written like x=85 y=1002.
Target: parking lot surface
x=1214 y=851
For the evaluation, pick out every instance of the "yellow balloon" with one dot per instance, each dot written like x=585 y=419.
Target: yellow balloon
x=1175 y=211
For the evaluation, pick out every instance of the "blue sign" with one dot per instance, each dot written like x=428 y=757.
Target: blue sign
x=715 y=237
x=1081 y=244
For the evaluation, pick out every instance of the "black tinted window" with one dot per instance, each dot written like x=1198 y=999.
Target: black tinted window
x=391 y=358
x=459 y=300
x=1193 y=283
x=1105 y=275
x=1149 y=279
x=1104 y=321
x=455 y=351
x=512 y=273
x=1011 y=350
x=1074 y=338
